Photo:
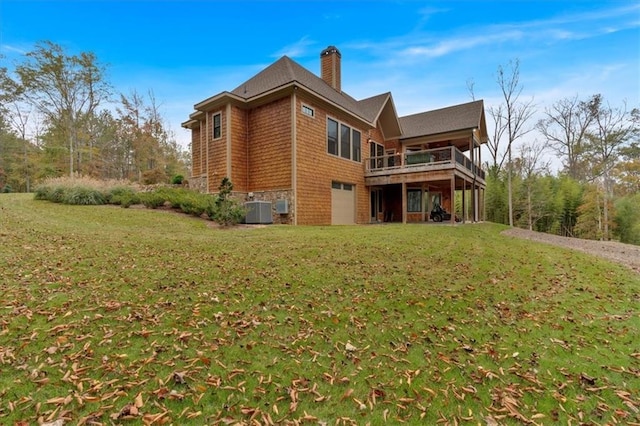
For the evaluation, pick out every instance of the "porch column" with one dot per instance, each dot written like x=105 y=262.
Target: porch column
x=453 y=198
x=422 y=198
x=404 y=202
x=476 y=203
x=464 y=200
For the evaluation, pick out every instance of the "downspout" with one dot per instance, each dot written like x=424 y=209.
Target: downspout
x=246 y=143
x=206 y=139
x=203 y=154
x=294 y=172
x=229 y=171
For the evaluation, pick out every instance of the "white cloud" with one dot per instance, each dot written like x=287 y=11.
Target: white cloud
x=6 y=48
x=300 y=48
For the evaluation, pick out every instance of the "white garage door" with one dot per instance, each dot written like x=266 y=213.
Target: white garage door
x=343 y=204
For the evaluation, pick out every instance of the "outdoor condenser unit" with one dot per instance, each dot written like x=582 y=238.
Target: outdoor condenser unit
x=282 y=207
x=258 y=212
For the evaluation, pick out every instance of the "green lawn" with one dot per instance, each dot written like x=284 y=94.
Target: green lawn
x=133 y=316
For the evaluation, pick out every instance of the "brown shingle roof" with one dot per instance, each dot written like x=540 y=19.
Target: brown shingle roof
x=371 y=107
x=285 y=71
x=457 y=117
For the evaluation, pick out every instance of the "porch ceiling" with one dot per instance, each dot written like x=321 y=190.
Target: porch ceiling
x=460 y=139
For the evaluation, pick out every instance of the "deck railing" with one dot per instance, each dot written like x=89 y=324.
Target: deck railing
x=430 y=159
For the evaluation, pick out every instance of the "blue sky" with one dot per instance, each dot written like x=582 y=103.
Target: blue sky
x=424 y=52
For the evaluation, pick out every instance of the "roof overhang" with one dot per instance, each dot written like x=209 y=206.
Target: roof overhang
x=215 y=102
x=458 y=138
x=191 y=124
x=388 y=119
x=387 y=116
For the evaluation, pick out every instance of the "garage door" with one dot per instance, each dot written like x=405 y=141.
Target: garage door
x=343 y=203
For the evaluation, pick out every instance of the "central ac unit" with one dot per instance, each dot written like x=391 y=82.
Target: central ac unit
x=258 y=212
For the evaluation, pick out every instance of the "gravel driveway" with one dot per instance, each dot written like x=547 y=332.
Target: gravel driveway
x=625 y=254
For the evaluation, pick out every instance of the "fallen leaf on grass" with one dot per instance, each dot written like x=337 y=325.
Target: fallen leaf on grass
x=59 y=422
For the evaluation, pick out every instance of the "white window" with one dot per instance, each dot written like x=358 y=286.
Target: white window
x=308 y=111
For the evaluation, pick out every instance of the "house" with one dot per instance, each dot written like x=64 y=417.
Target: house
x=322 y=157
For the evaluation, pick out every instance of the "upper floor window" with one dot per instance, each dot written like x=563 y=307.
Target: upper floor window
x=376 y=152
x=308 y=111
x=343 y=141
x=217 y=125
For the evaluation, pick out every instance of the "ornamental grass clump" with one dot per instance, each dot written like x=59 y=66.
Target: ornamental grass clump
x=82 y=190
x=83 y=196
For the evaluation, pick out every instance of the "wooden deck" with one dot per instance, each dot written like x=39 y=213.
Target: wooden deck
x=421 y=166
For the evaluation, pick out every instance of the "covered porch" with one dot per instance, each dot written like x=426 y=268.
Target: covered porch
x=407 y=187
x=413 y=202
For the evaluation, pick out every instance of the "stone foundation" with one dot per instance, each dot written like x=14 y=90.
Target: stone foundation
x=272 y=196
x=198 y=183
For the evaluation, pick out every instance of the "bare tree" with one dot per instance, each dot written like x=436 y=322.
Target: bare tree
x=565 y=127
x=493 y=143
x=612 y=129
x=510 y=119
x=498 y=156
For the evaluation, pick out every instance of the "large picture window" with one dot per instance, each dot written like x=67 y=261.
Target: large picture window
x=332 y=137
x=217 y=126
x=356 y=153
x=343 y=141
x=414 y=200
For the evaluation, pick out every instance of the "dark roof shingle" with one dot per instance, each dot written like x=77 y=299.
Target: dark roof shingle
x=285 y=71
x=449 y=119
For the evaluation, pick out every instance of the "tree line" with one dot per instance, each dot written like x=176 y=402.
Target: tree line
x=595 y=194
x=60 y=117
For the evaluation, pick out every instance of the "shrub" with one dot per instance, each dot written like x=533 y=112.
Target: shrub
x=123 y=196
x=154 y=176
x=43 y=193
x=84 y=190
x=226 y=211
x=177 y=180
x=6 y=188
x=195 y=204
x=229 y=212
x=153 y=199
x=57 y=194
x=84 y=196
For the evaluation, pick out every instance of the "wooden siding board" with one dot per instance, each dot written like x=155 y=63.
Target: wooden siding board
x=269 y=146
x=239 y=161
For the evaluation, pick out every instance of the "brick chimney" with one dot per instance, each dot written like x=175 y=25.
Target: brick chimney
x=330 y=67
